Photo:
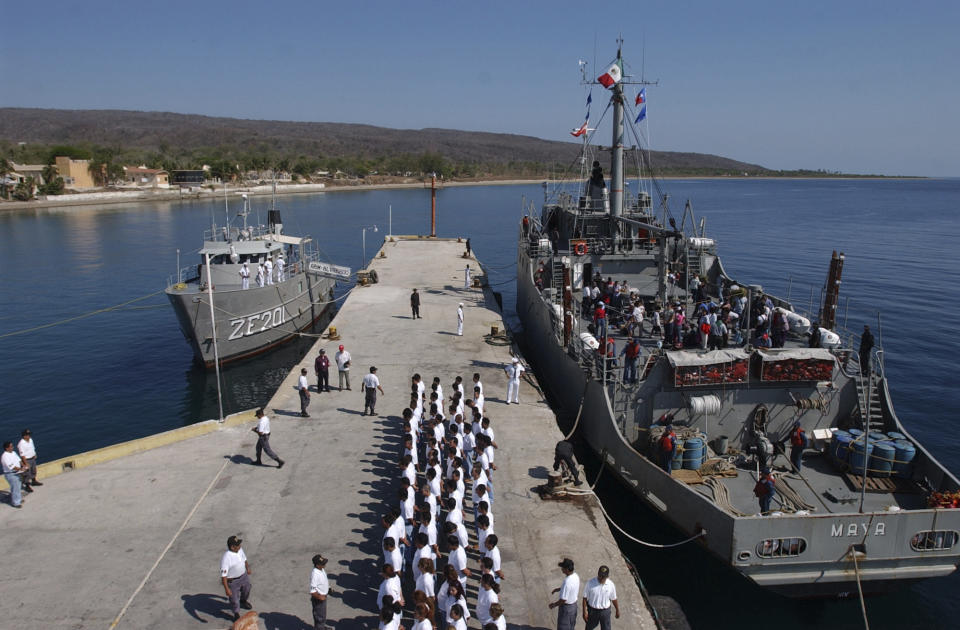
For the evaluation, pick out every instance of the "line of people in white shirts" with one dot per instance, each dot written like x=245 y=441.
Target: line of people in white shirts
x=264 y=272
x=439 y=452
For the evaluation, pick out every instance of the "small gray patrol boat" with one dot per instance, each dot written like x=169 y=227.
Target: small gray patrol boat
x=868 y=509
x=249 y=320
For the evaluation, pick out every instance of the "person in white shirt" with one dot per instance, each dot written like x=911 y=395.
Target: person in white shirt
x=389 y=586
x=487 y=595
x=458 y=559
x=455 y=618
x=343 y=367
x=263 y=442
x=496 y=613
x=319 y=588
x=28 y=453
x=234 y=575
x=422 y=618
x=390 y=615
x=427 y=575
x=493 y=552
x=477 y=383
x=268 y=270
x=466 y=277
x=460 y=319
x=245 y=276
x=478 y=399
x=281 y=264
x=12 y=467
x=392 y=555
x=456 y=597
x=370 y=386
x=598 y=595
x=437 y=388
x=568 y=598
x=514 y=372
x=304 y=388
x=261 y=275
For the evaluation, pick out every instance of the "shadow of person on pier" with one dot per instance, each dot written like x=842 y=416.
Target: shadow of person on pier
x=216 y=606
x=283 y=621
x=239 y=459
x=539 y=472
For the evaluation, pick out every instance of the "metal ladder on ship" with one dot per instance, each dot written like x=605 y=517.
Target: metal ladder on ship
x=873 y=401
x=556 y=281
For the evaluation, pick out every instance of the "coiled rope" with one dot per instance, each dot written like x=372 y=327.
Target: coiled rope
x=721 y=496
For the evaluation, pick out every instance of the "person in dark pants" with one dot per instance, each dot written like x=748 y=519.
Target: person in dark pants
x=319 y=588
x=798 y=441
x=599 y=596
x=234 y=575
x=322 y=367
x=569 y=597
x=765 y=490
x=303 y=387
x=668 y=447
x=415 y=304
x=469 y=251
x=263 y=442
x=866 y=345
x=564 y=453
x=370 y=386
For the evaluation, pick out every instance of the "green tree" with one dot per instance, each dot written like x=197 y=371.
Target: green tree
x=24 y=190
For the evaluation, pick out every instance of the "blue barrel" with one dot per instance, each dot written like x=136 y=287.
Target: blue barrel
x=693 y=453
x=881 y=461
x=678 y=454
x=855 y=433
x=859 y=459
x=903 y=458
x=876 y=436
x=893 y=435
x=840 y=447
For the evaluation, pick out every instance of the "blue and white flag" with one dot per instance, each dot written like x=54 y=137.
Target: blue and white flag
x=641 y=115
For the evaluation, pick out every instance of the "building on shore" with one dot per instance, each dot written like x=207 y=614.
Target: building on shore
x=75 y=173
x=143 y=177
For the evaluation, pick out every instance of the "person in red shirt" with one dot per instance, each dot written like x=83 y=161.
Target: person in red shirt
x=798 y=441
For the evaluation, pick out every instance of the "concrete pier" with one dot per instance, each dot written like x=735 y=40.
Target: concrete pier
x=135 y=542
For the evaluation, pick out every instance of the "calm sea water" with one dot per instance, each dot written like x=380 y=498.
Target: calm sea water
x=127 y=373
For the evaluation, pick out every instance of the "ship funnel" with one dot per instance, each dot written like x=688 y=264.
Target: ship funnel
x=274 y=222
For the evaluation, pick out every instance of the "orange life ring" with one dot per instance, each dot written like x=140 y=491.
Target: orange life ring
x=580 y=248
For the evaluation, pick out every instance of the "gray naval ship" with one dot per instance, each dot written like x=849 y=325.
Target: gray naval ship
x=869 y=508
x=254 y=319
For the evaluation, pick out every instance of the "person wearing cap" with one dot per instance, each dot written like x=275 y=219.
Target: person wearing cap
x=12 y=468
x=514 y=372
x=342 y=357
x=568 y=598
x=466 y=277
x=234 y=574
x=460 y=319
x=319 y=588
x=798 y=441
x=415 y=304
x=263 y=442
x=245 y=275
x=281 y=264
x=28 y=453
x=322 y=368
x=268 y=270
x=598 y=596
x=370 y=386
x=303 y=387
x=261 y=274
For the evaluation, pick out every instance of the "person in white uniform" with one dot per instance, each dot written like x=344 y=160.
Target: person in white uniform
x=234 y=575
x=599 y=594
x=569 y=596
x=466 y=277
x=28 y=453
x=245 y=276
x=460 y=319
x=268 y=270
x=514 y=372
x=319 y=588
x=12 y=467
x=261 y=275
x=281 y=266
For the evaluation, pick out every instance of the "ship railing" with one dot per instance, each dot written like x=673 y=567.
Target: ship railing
x=186 y=274
x=236 y=233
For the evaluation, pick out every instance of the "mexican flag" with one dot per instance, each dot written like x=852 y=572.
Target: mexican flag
x=612 y=76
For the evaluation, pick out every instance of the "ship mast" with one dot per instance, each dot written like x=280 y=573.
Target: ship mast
x=616 y=157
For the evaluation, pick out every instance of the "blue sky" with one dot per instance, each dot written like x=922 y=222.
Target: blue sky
x=863 y=87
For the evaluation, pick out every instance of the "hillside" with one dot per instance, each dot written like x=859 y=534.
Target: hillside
x=162 y=133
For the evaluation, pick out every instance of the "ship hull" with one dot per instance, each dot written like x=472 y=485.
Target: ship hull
x=822 y=572
x=252 y=321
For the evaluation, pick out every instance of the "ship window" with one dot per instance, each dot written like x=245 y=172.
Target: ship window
x=934 y=540
x=781 y=547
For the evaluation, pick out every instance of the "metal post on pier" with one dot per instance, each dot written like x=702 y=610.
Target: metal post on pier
x=213 y=328
x=179 y=280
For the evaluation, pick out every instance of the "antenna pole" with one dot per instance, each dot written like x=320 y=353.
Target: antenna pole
x=213 y=328
x=433 y=205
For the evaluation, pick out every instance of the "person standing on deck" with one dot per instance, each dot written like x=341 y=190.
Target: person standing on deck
x=245 y=276
x=261 y=275
x=765 y=490
x=460 y=320
x=304 y=388
x=568 y=598
x=234 y=575
x=343 y=367
x=668 y=447
x=370 y=386
x=466 y=277
x=866 y=345
x=268 y=270
x=798 y=442
x=514 y=372
x=631 y=351
x=322 y=368
x=263 y=442
x=281 y=265
x=415 y=304
x=319 y=589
